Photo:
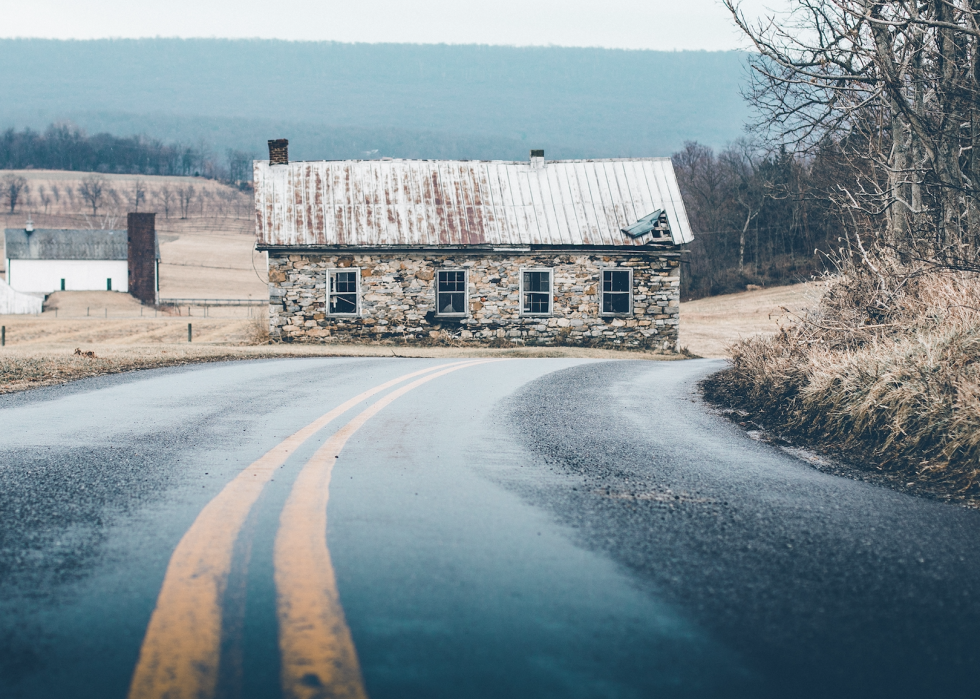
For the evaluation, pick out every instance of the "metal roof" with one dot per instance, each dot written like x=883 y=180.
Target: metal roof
x=458 y=203
x=67 y=244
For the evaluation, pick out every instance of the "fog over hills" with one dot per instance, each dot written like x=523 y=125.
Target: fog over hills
x=337 y=100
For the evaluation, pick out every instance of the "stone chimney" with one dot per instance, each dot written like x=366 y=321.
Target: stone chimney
x=537 y=159
x=144 y=274
x=279 y=152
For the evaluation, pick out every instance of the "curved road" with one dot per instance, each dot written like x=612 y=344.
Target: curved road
x=456 y=528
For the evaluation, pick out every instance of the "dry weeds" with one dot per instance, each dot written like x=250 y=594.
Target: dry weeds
x=885 y=370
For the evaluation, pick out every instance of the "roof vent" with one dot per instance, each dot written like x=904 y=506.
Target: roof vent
x=29 y=227
x=279 y=152
x=537 y=159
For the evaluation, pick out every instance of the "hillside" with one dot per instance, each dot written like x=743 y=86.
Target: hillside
x=206 y=244
x=370 y=100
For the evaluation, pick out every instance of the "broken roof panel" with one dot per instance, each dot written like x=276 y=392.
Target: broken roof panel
x=430 y=203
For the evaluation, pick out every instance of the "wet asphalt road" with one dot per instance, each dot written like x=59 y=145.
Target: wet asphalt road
x=525 y=528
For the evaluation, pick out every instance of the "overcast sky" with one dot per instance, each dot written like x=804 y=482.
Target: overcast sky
x=636 y=24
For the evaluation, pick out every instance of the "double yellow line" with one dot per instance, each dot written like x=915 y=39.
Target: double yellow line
x=181 y=650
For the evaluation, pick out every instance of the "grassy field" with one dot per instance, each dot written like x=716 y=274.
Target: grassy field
x=710 y=326
x=123 y=335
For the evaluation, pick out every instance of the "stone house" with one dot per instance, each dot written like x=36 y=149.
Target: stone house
x=575 y=252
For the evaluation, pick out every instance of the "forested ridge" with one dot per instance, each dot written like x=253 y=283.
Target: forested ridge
x=341 y=101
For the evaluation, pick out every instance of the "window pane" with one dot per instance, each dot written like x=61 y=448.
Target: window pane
x=452 y=303
x=345 y=282
x=537 y=281
x=615 y=280
x=536 y=303
x=614 y=302
x=452 y=281
x=343 y=303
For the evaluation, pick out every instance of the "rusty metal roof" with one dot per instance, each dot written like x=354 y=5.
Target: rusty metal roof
x=433 y=203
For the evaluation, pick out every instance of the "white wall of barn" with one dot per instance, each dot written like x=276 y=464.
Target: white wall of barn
x=16 y=302
x=79 y=275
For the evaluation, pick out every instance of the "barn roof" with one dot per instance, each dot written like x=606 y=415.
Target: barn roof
x=67 y=244
x=459 y=203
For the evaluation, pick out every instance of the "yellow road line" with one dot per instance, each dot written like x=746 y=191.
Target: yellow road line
x=318 y=655
x=182 y=646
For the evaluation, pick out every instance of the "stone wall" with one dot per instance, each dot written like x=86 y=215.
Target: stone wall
x=398 y=300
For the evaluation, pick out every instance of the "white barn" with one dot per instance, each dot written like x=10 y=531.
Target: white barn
x=44 y=260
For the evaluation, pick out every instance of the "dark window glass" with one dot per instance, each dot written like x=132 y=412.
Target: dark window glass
x=343 y=292
x=451 y=293
x=616 y=291
x=537 y=292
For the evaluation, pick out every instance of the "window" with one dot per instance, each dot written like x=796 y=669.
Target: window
x=342 y=292
x=451 y=293
x=617 y=292
x=536 y=292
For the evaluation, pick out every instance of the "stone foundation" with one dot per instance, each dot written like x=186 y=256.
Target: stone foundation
x=398 y=300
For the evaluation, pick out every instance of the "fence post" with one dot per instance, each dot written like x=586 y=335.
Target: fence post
x=189 y=333
x=3 y=336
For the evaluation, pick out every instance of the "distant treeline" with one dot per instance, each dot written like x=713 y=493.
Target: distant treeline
x=64 y=147
x=758 y=218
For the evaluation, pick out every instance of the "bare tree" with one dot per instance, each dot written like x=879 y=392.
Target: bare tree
x=239 y=166
x=185 y=196
x=93 y=190
x=139 y=193
x=749 y=189
x=44 y=197
x=56 y=193
x=15 y=190
x=165 y=195
x=895 y=85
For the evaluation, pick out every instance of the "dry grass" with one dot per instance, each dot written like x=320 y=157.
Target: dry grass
x=47 y=365
x=126 y=336
x=886 y=369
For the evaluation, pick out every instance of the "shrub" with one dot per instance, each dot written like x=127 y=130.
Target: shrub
x=886 y=367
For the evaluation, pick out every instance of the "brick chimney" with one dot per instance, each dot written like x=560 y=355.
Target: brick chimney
x=143 y=269
x=279 y=152
x=537 y=159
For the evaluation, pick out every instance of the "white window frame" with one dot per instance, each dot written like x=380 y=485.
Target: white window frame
x=551 y=291
x=357 y=285
x=602 y=292
x=466 y=292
